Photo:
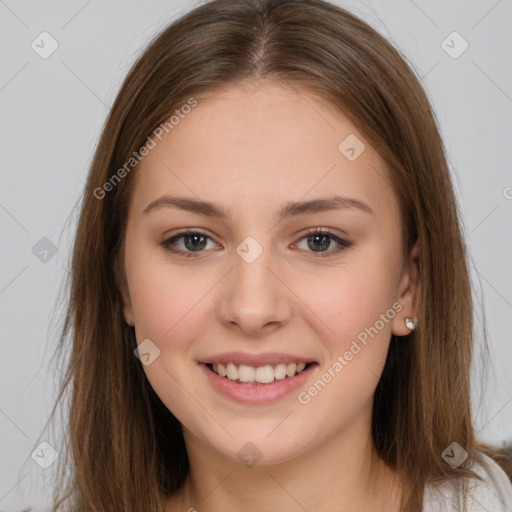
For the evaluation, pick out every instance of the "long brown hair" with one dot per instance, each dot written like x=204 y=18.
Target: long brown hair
x=125 y=449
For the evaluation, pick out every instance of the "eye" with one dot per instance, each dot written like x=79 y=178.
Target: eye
x=194 y=243
x=320 y=240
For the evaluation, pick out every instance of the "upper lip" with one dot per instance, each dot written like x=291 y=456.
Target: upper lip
x=263 y=359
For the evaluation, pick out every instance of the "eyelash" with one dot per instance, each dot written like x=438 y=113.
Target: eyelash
x=343 y=244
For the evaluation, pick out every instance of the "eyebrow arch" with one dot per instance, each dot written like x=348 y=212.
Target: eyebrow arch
x=289 y=209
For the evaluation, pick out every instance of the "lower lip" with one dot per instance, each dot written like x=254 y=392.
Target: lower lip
x=257 y=393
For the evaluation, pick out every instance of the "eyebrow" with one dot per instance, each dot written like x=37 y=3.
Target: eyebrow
x=289 y=209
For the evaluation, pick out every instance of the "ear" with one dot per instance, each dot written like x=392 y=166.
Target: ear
x=408 y=292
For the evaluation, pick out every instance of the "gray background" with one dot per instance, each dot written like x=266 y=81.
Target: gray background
x=52 y=111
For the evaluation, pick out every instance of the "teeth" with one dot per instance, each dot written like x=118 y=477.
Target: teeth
x=291 y=369
x=246 y=373
x=232 y=371
x=264 y=374
x=221 y=369
x=280 y=371
x=261 y=374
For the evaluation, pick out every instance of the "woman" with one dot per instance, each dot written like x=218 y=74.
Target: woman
x=259 y=309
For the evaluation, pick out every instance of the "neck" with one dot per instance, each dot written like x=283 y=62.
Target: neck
x=343 y=474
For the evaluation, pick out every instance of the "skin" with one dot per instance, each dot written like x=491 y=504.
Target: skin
x=253 y=147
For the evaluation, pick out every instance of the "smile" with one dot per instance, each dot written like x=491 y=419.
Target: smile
x=252 y=375
x=255 y=385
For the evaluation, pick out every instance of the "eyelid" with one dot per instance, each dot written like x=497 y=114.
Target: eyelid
x=168 y=241
x=325 y=230
x=343 y=243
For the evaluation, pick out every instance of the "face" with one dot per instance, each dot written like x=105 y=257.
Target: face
x=253 y=287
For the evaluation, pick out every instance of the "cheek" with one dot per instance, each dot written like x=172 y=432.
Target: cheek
x=355 y=313
x=349 y=300
x=163 y=296
x=354 y=309
x=166 y=304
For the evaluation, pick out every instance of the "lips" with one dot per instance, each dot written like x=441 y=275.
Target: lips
x=269 y=375
x=253 y=392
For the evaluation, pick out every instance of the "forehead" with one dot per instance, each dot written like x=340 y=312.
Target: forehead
x=262 y=144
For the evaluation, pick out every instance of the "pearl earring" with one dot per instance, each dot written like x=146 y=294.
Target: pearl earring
x=411 y=323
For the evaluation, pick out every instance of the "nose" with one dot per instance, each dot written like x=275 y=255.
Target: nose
x=254 y=297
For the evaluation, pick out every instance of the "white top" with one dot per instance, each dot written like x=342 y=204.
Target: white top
x=494 y=494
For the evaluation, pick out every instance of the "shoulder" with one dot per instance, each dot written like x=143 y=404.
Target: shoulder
x=494 y=493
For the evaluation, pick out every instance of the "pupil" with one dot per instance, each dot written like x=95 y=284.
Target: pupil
x=325 y=238
x=195 y=238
